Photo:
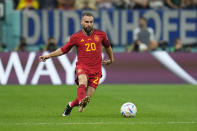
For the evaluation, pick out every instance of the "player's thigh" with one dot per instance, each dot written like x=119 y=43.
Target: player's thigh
x=82 y=79
x=81 y=75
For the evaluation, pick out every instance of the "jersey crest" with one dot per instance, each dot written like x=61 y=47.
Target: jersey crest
x=82 y=40
x=96 y=38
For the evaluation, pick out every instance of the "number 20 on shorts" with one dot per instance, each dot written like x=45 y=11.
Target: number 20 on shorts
x=90 y=47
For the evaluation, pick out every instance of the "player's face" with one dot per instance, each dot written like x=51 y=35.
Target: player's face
x=142 y=23
x=87 y=23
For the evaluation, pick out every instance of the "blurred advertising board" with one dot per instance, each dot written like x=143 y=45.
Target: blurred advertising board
x=128 y=68
x=38 y=26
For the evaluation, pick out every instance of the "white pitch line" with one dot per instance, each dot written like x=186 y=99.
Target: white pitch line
x=101 y=123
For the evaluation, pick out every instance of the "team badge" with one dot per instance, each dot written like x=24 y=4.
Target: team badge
x=96 y=38
x=82 y=40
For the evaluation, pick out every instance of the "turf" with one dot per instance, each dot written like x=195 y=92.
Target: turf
x=39 y=108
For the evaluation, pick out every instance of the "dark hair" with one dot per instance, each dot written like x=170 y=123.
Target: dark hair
x=143 y=18
x=87 y=14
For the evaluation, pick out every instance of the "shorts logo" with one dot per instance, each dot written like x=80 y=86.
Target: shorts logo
x=96 y=38
x=82 y=40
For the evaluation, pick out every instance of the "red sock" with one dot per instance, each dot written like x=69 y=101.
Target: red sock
x=81 y=92
x=74 y=103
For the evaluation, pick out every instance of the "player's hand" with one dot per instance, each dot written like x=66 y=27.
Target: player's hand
x=106 y=62
x=43 y=58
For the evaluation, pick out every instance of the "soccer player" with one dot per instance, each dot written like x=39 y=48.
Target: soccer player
x=89 y=43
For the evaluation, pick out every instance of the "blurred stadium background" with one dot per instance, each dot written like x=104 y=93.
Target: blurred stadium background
x=29 y=28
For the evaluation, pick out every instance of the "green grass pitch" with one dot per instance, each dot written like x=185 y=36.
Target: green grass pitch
x=39 y=108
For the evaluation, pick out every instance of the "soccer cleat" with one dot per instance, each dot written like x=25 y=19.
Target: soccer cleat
x=67 y=111
x=84 y=103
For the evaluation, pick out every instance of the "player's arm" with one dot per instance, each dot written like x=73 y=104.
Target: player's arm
x=110 y=55
x=108 y=50
x=55 y=53
x=65 y=49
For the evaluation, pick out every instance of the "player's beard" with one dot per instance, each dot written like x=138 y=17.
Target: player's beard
x=88 y=30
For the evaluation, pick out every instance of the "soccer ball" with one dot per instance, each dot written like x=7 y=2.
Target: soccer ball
x=128 y=110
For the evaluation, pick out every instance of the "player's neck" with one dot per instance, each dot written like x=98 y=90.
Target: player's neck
x=87 y=34
x=143 y=27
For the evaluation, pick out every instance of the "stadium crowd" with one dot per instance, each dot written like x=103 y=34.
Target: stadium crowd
x=103 y=4
x=143 y=35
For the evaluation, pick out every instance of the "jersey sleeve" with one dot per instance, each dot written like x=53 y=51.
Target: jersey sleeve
x=105 y=41
x=66 y=48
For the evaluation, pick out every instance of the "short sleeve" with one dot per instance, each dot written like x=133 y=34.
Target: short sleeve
x=105 y=41
x=66 y=48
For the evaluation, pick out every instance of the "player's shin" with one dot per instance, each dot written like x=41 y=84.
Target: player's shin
x=74 y=103
x=81 y=92
x=90 y=91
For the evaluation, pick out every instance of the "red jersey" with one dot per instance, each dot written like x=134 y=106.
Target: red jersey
x=89 y=49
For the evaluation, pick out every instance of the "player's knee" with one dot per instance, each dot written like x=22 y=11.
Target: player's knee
x=83 y=82
x=82 y=79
